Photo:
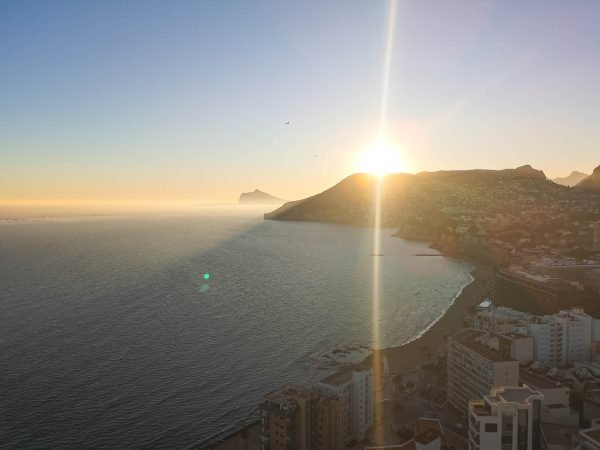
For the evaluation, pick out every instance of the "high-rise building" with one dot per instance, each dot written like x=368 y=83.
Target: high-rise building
x=556 y=407
x=547 y=340
x=506 y=419
x=331 y=421
x=356 y=386
x=564 y=338
x=285 y=415
x=474 y=367
x=559 y=339
x=577 y=331
x=298 y=418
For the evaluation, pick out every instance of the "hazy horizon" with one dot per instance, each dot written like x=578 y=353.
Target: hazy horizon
x=162 y=102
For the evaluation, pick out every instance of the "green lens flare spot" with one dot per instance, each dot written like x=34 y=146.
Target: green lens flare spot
x=206 y=276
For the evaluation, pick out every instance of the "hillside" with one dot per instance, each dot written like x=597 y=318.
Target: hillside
x=591 y=182
x=427 y=196
x=485 y=214
x=571 y=180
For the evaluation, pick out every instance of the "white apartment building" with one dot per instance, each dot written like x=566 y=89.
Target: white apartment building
x=475 y=366
x=547 y=340
x=577 y=336
x=558 y=340
x=555 y=406
x=507 y=419
x=356 y=384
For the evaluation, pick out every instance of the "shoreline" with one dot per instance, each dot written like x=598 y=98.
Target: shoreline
x=410 y=355
x=432 y=341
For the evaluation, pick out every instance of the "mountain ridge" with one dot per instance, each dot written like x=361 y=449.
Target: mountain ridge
x=351 y=199
x=483 y=215
x=591 y=182
x=572 y=179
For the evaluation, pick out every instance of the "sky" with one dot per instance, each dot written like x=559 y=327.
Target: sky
x=111 y=101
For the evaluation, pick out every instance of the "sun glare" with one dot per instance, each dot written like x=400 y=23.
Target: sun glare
x=380 y=159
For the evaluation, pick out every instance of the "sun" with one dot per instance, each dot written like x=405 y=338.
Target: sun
x=381 y=159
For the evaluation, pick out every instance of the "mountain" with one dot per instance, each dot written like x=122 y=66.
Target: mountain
x=485 y=215
x=408 y=199
x=572 y=179
x=591 y=182
x=258 y=198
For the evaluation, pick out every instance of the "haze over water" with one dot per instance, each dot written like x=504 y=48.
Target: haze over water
x=112 y=337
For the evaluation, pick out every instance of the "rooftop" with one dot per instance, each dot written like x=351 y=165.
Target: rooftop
x=426 y=424
x=471 y=339
x=338 y=378
x=479 y=407
x=513 y=394
x=343 y=377
x=427 y=436
x=558 y=434
x=592 y=434
x=536 y=380
x=287 y=392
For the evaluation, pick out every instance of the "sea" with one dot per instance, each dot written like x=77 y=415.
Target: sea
x=165 y=330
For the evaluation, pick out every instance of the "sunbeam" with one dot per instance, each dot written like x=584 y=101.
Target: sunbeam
x=377 y=362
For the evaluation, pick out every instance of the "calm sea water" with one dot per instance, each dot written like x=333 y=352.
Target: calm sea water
x=110 y=336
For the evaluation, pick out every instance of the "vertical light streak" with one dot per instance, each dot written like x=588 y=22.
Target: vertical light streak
x=377 y=361
x=387 y=63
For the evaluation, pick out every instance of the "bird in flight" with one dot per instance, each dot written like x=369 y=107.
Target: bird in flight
x=287 y=123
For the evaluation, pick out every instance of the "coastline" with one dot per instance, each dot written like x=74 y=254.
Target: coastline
x=424 y=347
x=430 y=343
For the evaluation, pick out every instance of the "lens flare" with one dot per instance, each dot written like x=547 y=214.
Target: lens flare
x=382 y=162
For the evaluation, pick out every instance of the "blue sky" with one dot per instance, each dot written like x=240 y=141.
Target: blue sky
x=160 y=100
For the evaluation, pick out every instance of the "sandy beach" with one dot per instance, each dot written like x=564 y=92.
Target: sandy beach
x=408 y=357
x=431 y=343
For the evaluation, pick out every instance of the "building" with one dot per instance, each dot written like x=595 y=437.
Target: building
x=429 y=435
x=564 y=338
x=285 y=417
x=589 y=438
x=541 y=294
x=560 y=339
x=507 y=419
x=577 y=335
x=355 y=385
x=557 y=437
x=568 y=270
x=547 y=341
x=499 y=319
x=295 y=417
x=515 y=346
x=475 y=365
x=555 y=406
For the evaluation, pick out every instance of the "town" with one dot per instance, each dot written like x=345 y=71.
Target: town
x=511 y=380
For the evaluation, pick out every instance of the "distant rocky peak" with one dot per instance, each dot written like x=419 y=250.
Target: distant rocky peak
x=257 y=197
x=529 y=171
